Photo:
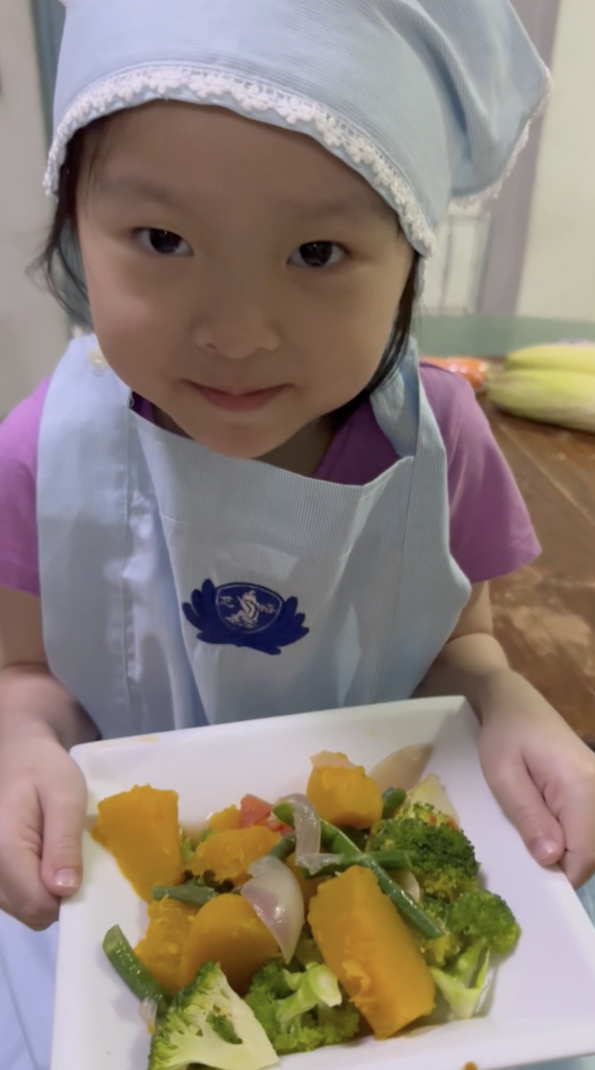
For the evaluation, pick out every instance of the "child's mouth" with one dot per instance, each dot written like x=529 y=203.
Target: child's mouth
x=249 y=401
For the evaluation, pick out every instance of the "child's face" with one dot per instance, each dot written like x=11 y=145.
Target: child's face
x=240 y=277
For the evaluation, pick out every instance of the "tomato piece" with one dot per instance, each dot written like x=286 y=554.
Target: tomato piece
x=253 y=811
x=275 y=825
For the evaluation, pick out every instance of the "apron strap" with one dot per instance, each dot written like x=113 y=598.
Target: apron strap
x=67 y=461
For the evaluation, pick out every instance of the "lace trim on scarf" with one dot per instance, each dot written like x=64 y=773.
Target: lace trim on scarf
x=134 y=87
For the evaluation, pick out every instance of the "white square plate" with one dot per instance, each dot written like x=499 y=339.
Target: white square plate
x=543 y=1005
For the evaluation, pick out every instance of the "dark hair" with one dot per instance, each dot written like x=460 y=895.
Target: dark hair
x=401 y=332
x=59 y=261
x=61 y=266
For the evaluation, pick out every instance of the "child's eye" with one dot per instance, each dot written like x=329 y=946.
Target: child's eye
x=163 y=242
x=317 y=254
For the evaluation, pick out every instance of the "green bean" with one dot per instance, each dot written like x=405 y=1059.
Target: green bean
x=195 y=894
x=357 y=836
x=331 y=838
x=284 y=847
x=392 y=859
x=402 y=901
x=284 y=813
x=392 y=798
x=186 y=850
x=336 y=842
x=135 y=975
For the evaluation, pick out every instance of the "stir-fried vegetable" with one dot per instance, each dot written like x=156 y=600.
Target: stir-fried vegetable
x=292 y=905
x=140 y=827
x=345 y=796
x=301 y=1011
x=442 y=858
x=403 y=767
x=194 y=894
x=345 y=853
x=392 y=799
x=209 y=1025
x=227 y=930
x=275 y=896
x=132 y=971
x=370 y=948
x=306 y=821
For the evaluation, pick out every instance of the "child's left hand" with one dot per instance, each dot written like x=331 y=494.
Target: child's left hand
x=541 y=773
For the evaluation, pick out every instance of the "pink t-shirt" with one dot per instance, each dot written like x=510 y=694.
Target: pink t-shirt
x=490 y=530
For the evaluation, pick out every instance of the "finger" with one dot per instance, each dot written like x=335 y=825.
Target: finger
x=61 y=864
x=22 y=893
x=525 y=806
x=579 y=866
x=577 y=817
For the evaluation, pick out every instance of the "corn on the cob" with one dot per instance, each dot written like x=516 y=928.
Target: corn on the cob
x=554 y=397
x=562 y=357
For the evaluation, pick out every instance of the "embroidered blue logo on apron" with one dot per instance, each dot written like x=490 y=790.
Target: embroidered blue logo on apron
x=245 y=615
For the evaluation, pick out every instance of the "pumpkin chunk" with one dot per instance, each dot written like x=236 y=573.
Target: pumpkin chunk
x=165 y=940
x=140 y=828
x=345 y=796
x=228 y=854
x=370 y=948
x=228 y=931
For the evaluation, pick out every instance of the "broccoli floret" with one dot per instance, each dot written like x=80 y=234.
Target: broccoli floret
x=442 y=858
x=483 y=923
x=301 y=1011
x=316 y=986
x=477 y=917
x=464 y=983
x=440 y=949
x=484 y=917
x=209 y=1024
x=475 y=925
x=428 y=813
x=307 y=949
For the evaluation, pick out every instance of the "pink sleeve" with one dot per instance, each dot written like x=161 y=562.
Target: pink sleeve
x=19 y=434
x=491 y=533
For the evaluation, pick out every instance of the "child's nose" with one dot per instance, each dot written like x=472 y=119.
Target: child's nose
x=236 y=329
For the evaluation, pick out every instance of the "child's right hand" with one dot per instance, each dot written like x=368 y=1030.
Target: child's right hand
x=43 y=796
x=43 y=800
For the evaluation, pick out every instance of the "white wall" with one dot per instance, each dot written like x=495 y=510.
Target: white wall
x=559 y=272
x=32 y=328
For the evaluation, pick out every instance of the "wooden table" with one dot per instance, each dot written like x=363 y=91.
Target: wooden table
x=545 y=614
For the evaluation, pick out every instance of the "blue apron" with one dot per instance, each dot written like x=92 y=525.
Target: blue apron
x=203 y=589
x=183 y=588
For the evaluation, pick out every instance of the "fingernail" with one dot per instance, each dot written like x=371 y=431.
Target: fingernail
x=546 y=850
x=68 y=879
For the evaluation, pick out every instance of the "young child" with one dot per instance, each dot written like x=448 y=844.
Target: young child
x=242 y=497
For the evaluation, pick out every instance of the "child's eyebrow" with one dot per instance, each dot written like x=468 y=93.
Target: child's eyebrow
x=130 y=187
x=346 y=206
x=350 y=205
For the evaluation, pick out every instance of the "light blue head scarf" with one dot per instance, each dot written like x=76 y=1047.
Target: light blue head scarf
x=428 y=100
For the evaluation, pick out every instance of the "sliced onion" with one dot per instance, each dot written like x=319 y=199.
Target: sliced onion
x=402 y=768
x=326 y=759
x=307 y=826
x=276 y=897
x=408 y=882
x=313 y=863
x=148 y=1012
x=430 y=790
